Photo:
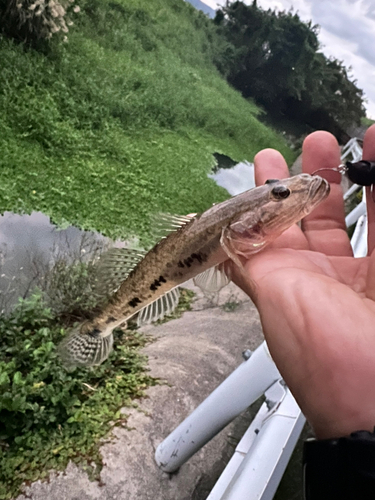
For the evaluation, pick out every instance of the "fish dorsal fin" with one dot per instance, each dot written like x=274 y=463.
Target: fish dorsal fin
x=114 y=267
x=161 y=307
x=164 y=224
x=212 y=280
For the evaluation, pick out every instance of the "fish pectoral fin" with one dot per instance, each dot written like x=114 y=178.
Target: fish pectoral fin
x=225 y=242
x=163 y=224
x=213 y=279
x=85 y=349
x=114 y=266
x=161 y=307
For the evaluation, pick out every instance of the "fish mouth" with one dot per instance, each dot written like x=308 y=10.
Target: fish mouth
x=319 y=190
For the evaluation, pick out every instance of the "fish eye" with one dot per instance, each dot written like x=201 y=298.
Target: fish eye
x=280 y=192
x=271 y=181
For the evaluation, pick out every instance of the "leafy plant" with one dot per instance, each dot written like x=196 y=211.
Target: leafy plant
x=98 y=131
x=231 y=305
x=30 y=21
x=277 y=60
x=49 y=415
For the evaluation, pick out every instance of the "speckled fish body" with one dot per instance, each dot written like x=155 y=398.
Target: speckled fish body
x=241 y=225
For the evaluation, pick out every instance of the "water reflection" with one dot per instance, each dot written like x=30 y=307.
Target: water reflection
x=234 y=177
x=31 y=244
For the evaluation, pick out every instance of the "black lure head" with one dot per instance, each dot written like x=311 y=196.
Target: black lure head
x=361 y=172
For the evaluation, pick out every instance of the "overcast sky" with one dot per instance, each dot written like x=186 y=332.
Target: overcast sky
x=347 y=32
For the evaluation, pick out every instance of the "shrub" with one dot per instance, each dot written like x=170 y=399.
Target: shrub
x=49 y=415
x=30 y=21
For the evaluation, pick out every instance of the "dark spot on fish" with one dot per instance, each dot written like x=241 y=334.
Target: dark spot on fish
x=204 y=257
x=271 y=181
x=162 y=279
x=189 y=261
x=95 y=332
x=134 y=302
x=155 y=285
x=180 y=264
x=198 y=257
x=110 y=319
x=169 y=264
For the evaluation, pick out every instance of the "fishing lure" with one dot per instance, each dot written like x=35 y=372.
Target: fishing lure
x=360 y=172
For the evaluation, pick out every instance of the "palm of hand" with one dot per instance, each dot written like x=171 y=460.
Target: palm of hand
x=316 y=303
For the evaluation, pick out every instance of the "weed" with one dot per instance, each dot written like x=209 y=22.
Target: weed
x=116 y=124
x=121 y=122
x=231 y=306
x=44 y=407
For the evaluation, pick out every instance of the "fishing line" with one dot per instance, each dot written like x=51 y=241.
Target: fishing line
x=360 y=172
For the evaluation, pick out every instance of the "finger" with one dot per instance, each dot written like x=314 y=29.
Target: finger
x=369 y=154
x=325 y=227
x=270 y=164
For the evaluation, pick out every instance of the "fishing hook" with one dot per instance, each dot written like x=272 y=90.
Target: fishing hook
x=360 y=172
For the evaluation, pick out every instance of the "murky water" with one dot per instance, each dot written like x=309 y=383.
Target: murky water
x=30 y=244
x=234 y=177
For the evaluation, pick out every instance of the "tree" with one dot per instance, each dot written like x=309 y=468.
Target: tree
x=277 y=62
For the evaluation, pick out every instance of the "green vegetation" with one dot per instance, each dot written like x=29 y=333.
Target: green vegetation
x=119 y=121
x=48 y=415
x=367 y=122
x=276 y=59
x=122 y=120
x=231 y=305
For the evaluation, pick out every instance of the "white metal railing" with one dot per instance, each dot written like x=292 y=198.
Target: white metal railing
x=261 y=457
x=358 y=215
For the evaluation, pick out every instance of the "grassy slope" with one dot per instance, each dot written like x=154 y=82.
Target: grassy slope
x=122 y=120
x=119 y=122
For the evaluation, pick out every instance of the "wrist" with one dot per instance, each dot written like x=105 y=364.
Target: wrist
x=341 y=421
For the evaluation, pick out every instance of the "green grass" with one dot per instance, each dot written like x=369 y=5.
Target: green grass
x=49 y=416
x=100 y=132
x=367 y=122
x=122 y=120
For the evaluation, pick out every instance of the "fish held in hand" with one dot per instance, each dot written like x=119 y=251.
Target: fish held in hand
x=196 y=246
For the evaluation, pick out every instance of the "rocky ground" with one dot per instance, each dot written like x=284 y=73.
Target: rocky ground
x=192 y=354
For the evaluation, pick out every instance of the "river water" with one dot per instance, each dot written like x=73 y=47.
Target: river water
x=234 y=177
x=30 y=244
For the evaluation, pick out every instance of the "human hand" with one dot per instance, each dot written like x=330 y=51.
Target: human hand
x=317 y=302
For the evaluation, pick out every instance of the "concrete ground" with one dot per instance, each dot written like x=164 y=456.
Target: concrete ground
x=193 y=354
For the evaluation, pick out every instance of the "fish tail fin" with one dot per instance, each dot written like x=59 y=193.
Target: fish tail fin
x=85 y=349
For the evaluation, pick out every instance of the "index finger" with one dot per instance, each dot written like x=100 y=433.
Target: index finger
x=270 y=164
x=325 y=227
